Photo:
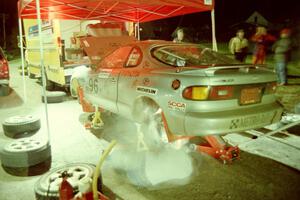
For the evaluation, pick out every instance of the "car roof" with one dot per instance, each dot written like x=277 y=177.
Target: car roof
x=157 y=43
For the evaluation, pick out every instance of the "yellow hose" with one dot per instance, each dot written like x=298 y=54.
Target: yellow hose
x=98 y=169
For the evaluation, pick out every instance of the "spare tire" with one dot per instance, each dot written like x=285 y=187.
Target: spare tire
x=47 y=187
x=21 y=125
x=54 y=97
x=22 y=157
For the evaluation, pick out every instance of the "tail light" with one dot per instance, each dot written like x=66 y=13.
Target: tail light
x=196 y=92
x=271 y=88
x=208 y=93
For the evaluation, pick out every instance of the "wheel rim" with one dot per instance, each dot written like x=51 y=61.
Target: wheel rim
x=76 y=173
x=24 y=145
x=74 y=86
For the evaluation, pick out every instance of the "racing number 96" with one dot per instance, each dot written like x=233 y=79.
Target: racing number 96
x=93 y=85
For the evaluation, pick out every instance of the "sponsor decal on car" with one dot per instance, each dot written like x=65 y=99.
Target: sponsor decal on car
x=148 y=90
x=245 y=122
x=178 y=106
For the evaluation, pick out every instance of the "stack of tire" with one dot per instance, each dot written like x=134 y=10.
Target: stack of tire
x=26 y=155
x=54 y=96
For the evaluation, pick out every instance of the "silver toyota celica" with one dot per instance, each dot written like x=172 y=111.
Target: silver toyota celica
x=193 y=90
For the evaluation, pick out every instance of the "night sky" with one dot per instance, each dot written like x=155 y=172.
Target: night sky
x=228 y=12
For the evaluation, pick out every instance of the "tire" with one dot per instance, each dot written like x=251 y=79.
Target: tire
x=47 y=187
x=34 y=170
x=147 y=113
x=4 y=90
x=25 y=155
x=54 y=97
x=21 y=126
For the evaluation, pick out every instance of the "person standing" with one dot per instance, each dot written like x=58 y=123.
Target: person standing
x=282 y=48
x=238 y=46
x=179 y=36
x=262 y=39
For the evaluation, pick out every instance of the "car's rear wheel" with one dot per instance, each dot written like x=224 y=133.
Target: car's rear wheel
x=151 y=118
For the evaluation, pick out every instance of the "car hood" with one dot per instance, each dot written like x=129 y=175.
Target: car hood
x=98 y=47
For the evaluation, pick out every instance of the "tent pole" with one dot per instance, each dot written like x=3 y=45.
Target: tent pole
x=134 y=26
x=138 y=31
x=39 y=21
x=213 y=30
x=22 y=58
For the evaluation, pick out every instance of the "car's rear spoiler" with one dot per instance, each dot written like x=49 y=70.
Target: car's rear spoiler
x=98 y=47
x=244 y=68
x=210 y=71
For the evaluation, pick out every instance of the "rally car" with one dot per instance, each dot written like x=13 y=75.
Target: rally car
x=192 y=90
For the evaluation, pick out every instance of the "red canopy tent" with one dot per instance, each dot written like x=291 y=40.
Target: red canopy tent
x=112 y=10
x=107 y=10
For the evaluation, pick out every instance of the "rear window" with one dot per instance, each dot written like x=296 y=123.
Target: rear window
x=190 y=55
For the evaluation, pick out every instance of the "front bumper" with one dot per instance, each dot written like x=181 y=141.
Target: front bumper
x=211 y=123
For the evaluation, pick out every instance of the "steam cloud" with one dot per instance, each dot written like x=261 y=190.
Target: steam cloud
x=153 y=163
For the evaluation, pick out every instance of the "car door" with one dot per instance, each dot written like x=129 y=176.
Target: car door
x=108 y=76
x=129 y=77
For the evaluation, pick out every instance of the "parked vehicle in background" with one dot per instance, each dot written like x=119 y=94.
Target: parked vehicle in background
x=61 y=47
x=189 y=89
x=4 y=74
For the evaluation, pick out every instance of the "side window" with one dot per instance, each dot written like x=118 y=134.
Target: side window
x=134 y=58
x=117 y=58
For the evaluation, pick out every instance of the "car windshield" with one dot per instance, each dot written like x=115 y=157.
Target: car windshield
x=190 y=55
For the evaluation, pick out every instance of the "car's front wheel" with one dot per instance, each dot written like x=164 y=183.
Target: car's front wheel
x=73 y=88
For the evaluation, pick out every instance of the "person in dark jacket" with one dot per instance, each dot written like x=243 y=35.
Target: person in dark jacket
x=282 y=48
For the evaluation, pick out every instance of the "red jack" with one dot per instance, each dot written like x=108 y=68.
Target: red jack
x=217 y=148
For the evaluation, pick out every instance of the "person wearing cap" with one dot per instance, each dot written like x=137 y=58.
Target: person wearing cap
x=282 y=48
x=238 y=46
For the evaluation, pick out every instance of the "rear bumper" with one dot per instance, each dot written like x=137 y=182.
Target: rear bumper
x=232 y=121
